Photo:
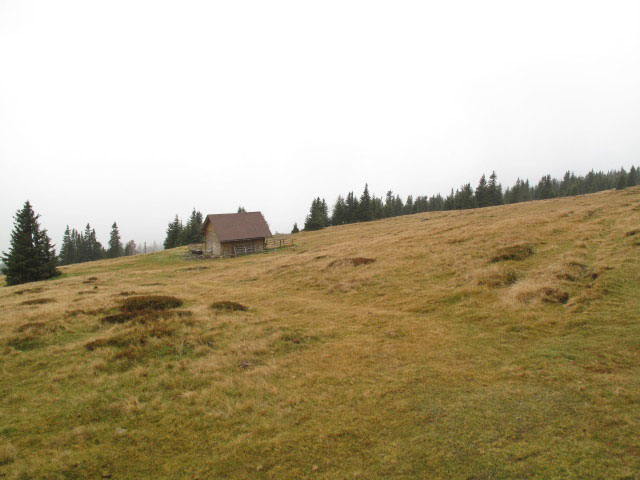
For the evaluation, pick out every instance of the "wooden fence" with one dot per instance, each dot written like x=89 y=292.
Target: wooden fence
x=278 y=241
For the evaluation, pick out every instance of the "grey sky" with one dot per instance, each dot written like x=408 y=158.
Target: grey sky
x=137 y=110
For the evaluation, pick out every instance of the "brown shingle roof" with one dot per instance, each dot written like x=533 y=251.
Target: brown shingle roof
x=238 y=226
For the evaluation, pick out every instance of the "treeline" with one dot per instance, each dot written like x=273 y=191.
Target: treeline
x=367 y=207
x=183 y=234
x=78 y=247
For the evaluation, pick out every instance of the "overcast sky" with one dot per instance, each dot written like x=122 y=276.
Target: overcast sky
x=134 y=111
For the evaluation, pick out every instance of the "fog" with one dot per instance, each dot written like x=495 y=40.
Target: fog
x=133 y=111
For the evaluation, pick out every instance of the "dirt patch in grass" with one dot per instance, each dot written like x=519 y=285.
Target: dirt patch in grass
x=150 y=302
x=228 y=306
x=355 y=261
x=29 y=290
x=513 y=252
x=38 y=301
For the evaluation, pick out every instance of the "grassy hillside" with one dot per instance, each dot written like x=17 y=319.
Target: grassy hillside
x=493 y=343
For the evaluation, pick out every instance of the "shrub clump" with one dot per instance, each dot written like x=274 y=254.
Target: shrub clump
x=150 y=302
x=38 y=301
x=513 y=252
x=229 y=306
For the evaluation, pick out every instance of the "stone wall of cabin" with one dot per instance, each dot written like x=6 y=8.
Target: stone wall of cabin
x=212 y=245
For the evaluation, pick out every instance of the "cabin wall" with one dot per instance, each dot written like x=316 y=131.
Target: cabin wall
x=228 y=247
x=211 y=243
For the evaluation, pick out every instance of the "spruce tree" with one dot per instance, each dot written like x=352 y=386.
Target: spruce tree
x=295 y=228
x=31 y=256
x=494 y=191
x=338 y=215
x=482 y=192
x=621 y=182
x=130 y=248
x=173 y=232
x=241 y=210
x=115 y=245
x=67 y=248
x=364 y=211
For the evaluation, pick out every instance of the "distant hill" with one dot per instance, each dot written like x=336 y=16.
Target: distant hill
x=501 y=342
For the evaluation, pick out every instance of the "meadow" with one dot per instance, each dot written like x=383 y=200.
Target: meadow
x=494 y=343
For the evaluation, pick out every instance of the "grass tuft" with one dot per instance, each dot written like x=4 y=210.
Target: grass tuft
x=355 y=261
x=38 y=301
x=513 y=252
x=229 y=306
x=150 y=302
x=8 y=453
x=28 y=290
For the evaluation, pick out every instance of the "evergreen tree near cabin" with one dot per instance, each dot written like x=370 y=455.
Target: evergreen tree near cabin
x=318 y=215
x=241 y=210
x=295 y=228
x=115 y=244
x=31 y=256
x=173 y=233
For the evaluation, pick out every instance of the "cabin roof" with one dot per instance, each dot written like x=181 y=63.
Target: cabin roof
x=238 y=226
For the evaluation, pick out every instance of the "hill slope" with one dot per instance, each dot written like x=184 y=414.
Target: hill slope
x=493 y=343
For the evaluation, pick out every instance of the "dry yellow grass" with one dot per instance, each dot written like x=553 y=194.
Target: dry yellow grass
x=436 y=360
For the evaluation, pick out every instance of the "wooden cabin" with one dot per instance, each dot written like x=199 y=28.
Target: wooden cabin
x=232 y=234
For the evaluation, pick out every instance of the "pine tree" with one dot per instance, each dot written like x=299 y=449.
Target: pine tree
x=67 y=254
x=317 y=215
x=173 y=232
x=482 y=192
x=31 y=256
x=364 y=211
x=634 y=177
x=351 y=214
x=621 y=182
x=130 y=248
x=295 y=228
x=241 y=210
x=338 y=215
x=494 y=191
x=115 y=245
